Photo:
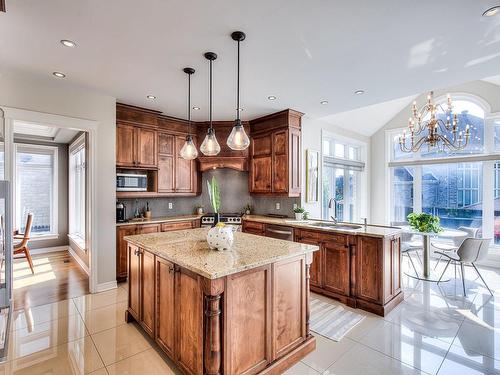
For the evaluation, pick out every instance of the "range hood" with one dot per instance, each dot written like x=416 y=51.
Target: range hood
x=227 y=158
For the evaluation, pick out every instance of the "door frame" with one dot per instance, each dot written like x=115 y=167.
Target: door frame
x=65 y=122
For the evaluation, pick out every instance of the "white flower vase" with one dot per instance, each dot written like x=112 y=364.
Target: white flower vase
x=220 y=238
x=299 y=215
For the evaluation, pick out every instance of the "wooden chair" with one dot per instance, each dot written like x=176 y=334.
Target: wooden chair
x=22 y=247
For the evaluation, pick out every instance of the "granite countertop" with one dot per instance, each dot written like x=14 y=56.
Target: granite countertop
x=157 y=220
x=189 y=249
x=370 y=230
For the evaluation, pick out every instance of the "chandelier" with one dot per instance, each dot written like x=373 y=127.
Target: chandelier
x=441 y=133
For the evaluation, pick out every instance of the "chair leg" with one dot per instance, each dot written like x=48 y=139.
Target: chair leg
x=418 y=256
x=437 y=263
x=413 y=264
x=28 y=258
x=445 y=267
x=462 y=268
x=481 y=277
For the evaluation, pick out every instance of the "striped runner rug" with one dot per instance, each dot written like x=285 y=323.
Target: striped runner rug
x=332 y=320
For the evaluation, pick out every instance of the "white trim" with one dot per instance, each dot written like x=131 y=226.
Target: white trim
x=43 y=237
x=46 y=250
x=79 y=260
x=106 y=286
x=65 y=122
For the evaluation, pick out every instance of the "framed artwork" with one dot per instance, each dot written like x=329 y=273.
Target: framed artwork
x=312 y=176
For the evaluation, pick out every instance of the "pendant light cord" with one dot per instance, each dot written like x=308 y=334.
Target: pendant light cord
x=238 y=86
x=189 y=104
x=210 y=94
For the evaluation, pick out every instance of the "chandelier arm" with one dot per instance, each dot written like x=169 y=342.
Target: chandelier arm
x=417 y=146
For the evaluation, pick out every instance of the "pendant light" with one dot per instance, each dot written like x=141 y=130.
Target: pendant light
x=238 y=139
x=210 y=146
x=189 y=151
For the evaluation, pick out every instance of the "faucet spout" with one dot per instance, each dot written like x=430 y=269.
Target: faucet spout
x=333 y=203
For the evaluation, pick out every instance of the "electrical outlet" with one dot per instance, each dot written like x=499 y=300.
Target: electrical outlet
x=170 y=205
x=278 y=205
x=295 y=206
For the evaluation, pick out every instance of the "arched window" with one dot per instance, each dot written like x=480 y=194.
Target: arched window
x=461 y=187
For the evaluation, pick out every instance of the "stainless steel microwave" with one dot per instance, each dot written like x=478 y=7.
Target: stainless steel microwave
x=131 y=182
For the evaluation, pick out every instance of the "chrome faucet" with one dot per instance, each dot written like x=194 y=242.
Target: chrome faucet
x=333 y=203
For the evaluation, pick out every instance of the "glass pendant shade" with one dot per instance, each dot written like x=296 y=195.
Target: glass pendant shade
x=210 y=146
x=238 y=139
x=189 y=151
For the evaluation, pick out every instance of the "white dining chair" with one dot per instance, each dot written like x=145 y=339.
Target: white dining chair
x=408 y=245
x=470 y=251
x=452 y=246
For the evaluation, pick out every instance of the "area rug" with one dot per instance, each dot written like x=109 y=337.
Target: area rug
x=331 y=319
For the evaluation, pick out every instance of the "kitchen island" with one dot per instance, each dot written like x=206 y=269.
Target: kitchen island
x=241 y=311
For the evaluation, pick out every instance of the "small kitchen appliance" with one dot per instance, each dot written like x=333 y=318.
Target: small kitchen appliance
x=120 y=212
x=131 y=182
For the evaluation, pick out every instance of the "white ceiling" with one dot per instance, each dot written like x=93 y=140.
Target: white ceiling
x=301 y=51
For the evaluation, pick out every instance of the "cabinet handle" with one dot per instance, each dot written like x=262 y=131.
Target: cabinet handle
x=171 y=269
x=136 y=252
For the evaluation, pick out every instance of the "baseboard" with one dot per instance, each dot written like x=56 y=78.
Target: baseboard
x=106 y=286
x=45 y=250
x=78 y=260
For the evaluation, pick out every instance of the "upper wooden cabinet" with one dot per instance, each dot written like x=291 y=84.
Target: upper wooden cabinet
x=175 y=175
x=135 y=147
x=275 y=158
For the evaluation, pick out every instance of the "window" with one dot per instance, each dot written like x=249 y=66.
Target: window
x=77 y=189
x=461 y=187
x=36 y=188
x=342 y=179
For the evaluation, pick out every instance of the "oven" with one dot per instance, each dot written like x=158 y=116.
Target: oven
x=131 y=182
x=232 y=220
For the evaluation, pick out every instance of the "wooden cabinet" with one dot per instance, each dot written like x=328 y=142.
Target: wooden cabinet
x=275 y=157
x=253 y=227
x=134 y=286
x=175 y=175
x=147 y=291
x=316 y=268
x=130 y=230
x=336 y=262
x=135 y=147
x=165 y=309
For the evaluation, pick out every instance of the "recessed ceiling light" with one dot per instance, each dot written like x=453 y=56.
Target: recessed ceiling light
x=493 y=11
x=68 y=43
x=271 y=97
x=196 y=108
x=323 y=102
x=152 y=97
x=359 y=92
x=59 y=75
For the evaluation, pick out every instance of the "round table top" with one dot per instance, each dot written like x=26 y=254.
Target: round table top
x=447 y=232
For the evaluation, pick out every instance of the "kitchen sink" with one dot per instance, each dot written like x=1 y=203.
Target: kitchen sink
x=322 y=224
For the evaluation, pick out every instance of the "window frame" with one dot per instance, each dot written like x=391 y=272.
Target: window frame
x=76 y=146
x=54 y=207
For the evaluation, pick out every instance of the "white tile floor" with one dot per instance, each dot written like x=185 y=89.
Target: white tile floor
x=434 y=331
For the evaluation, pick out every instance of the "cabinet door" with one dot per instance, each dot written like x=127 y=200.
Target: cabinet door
x=125 y=146
x=134 y=283
x=280 y=162
x=165 y=306
x=336 y=266
x=189 y=322
x=369 y=260
x=184 y=169
x=146 y=147
x=148 y=228
x=253 y=227
x=166 y=163
x=121 y=250
x=261 y=175
x=148 y=291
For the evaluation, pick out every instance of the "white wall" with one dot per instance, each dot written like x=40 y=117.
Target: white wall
x=379 y=196
x=312 y=130
x=55 y=96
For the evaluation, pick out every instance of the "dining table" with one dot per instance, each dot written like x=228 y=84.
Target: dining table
x=448 y=233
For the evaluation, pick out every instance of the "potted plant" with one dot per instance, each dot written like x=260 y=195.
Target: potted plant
x=214 y=196
x=247 y=209
x=425 y=223
x=299 y=213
